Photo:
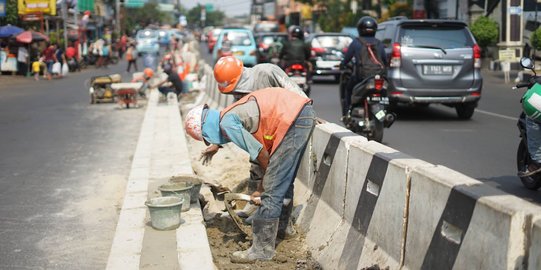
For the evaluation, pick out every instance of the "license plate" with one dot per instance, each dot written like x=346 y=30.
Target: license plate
x=298 y=80
x=437 y=70
x=238 y=53
x=328 y=64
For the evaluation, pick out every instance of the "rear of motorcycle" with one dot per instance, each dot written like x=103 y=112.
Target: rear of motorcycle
x=367 y=115
x=530 y=180
x=299 y=74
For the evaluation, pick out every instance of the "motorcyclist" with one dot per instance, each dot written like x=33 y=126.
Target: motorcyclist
x=366 y=26
x=274 y=50
x=295 y=50
x=235 y=79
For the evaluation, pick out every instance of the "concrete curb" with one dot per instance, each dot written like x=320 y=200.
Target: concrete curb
x=161 y=153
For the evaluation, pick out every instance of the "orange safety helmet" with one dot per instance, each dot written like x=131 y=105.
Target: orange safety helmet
x=148 y=72
x=227 y=73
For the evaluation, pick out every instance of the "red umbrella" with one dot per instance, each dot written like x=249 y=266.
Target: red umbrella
x=31 y=36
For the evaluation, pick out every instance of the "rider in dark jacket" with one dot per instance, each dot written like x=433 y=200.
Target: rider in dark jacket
x=366 y=26
x=295 y=50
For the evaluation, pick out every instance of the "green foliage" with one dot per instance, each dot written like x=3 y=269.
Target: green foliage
x=338 y=15
x=57 y=37
x=140 y=17
x=536 y=39
x=400 y=9
x=485 y=31
x=212 y=18
x=12 y=16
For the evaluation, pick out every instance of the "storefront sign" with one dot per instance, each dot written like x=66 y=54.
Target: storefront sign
x=36 y=6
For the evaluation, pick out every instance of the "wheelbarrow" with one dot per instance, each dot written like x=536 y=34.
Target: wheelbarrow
x=100 y=88
x=126 y=93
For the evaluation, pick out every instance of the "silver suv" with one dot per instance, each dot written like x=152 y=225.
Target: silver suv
x=432 y=61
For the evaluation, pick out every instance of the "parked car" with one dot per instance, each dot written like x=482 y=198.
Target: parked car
x=264 y=40
x=328 y=50
x=433 y=61
x=266 y=26
x=213 y=37
x=147 y=41
x=242 y=45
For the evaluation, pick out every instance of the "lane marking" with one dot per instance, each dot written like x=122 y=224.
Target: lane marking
x=497 y=115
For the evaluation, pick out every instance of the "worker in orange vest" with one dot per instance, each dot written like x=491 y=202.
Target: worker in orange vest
x=273 y=125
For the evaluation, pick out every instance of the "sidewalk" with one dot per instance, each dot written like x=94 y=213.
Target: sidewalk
x=161 y=153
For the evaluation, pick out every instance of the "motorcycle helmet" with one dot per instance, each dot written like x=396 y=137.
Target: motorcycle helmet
x=227 y=72
x=367 y=26
x=531 y=102
x=296 y=31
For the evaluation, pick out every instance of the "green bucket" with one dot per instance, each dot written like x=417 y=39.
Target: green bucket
x=189 y=178
x=165 y=212
x=181 y=190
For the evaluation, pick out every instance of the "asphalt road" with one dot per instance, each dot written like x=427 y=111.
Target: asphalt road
x=63 y=169
x=483 y=147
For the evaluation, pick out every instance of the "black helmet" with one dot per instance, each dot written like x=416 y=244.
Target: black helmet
x=296 y=31
x=367 y=26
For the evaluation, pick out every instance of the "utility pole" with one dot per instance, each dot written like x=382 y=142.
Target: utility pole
x=117 y=13
x=65 y=22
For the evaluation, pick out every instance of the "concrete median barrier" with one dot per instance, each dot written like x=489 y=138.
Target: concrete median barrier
x=362 y=204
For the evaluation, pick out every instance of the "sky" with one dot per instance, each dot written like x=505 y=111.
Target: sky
x=229 y=7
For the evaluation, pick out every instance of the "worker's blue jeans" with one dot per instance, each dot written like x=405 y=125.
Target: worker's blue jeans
x=283 y=165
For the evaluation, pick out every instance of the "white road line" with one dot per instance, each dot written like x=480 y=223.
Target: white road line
x=497 y=115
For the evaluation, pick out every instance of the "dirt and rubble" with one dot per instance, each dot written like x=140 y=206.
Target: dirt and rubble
x=230 y=168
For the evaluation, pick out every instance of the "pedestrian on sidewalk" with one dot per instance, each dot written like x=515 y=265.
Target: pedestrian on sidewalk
x=235 y=79
x=131 y=57
x=273 y=125
x=36 y=66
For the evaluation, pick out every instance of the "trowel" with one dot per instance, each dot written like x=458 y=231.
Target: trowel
x=218 y=191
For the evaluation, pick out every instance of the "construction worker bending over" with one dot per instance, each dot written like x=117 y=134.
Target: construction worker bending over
x=235 y=79
x=273 y=125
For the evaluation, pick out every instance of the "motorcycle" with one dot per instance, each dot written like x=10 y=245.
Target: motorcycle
x=299 y=74
x=367 y=115
x=530 y=180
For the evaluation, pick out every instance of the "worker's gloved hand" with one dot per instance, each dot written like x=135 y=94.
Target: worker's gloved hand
x=207 y=154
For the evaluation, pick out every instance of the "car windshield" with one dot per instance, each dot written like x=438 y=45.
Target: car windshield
x=332 y=42
x=239 y=38
x=441 y=37
x=270 y=39
x=147 y=34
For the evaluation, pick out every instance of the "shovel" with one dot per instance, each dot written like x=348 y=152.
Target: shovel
x=218 y=191
x=229 y=198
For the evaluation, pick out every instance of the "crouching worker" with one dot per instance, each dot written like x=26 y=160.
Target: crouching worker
x=273 y=125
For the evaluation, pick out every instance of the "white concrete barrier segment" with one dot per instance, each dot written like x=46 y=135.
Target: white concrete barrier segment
x=128 y=241
x=362 y=203
x=534 y=258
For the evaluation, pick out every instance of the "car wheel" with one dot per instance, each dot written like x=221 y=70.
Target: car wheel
x=465 y=110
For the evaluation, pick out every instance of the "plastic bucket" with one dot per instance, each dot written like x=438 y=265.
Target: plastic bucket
x=181 y=190
x=194 y=180
x=165 y=212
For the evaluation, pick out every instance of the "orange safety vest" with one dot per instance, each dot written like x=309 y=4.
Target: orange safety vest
x=278 y=109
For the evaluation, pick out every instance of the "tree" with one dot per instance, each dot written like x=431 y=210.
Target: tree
x=485 y=31
x=12 y=16
x=212 y=18
x=141 y=17
x=536 y=39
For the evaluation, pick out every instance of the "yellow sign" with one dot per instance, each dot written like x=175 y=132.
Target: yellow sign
x=507 y=55
x=37 y=6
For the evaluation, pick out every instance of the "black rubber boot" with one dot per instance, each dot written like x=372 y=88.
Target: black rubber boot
x=285 y=227
x=263 y=244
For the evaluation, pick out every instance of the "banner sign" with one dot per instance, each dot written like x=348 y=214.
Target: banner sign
x=36 y=6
